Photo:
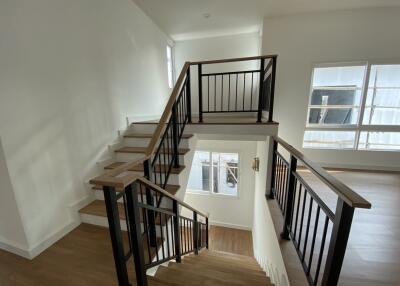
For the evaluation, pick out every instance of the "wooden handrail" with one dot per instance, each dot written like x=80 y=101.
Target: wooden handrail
x=152 y=186
x=344 y=192
x=234 y=60
x=167 y=111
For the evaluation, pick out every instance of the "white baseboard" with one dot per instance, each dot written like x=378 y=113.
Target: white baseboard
x=138 y=118
x=14 y=248
x=230 y=225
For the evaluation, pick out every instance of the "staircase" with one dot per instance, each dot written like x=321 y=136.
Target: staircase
x=143 y=198
x=211 y=268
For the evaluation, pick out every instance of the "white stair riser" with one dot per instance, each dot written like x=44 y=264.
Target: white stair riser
x=142 y=128
x=144 y=142
x=127 y=157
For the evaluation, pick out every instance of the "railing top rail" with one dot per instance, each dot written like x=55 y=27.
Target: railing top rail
x=167 y=111
x=344 y=192
x=154 y=187
x=234 y=60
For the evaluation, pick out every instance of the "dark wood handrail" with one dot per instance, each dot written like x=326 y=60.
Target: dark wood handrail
x=154 y=187
x=231 y=60
x=344 y=192
x=167 y=111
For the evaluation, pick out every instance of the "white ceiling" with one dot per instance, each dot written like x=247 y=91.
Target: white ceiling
x=184 y=18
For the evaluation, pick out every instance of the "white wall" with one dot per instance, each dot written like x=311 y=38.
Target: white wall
x=233 y=46
x=236 y=212
x=71 y=71
x=265 y=242
x=303 y=40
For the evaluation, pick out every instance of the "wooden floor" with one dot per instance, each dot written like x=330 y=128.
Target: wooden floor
x=373 y=254
x=84 y=258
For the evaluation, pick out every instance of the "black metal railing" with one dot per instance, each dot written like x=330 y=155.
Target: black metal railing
x=249 y=90
x=319 y=235
x=176 y=234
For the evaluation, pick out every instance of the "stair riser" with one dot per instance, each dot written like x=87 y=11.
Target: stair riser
x=103 y=221
x=143 y=128
x=127 y=157
x=165 y=203
x=144 y=142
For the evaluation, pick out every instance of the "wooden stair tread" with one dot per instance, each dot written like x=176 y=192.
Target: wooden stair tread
x=181 y=151
x=172 y=189
x=98 y=208
x=219 y=261
x=182 y=278
x=234 y=276
x=140 y=168
x=148 y=135
x=221 y=266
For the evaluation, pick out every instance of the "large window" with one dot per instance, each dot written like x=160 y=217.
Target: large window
x=214 y=173
x=354 y=106
x=170 y=67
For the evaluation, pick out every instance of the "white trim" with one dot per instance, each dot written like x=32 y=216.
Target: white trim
x=230 y=225
x=142 y=117
x=14 y=248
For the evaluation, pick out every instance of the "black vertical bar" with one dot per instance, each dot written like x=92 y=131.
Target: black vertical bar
x=175 y=153
x=177 y=239
x=167 y=231
x=297 y=211
x=290 y=197
x=272 y=93
x=200 y=76
x=208 y=93
x=260 y=92
x=136 y=238
x=273 y=174
x=229 y=93
x=302 y=217
x=236 y=92
x=207 y=232
x=195 y=234
x=244 y=88
x=150 y=201
x=215 y=93
x=313 y=241
x=110 y=198
x=188 y=97
x=321 y=251
x=251 y=93
x=307 y=228
x=222 y=92
x=338 y=242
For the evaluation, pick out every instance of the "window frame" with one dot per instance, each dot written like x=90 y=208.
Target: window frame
x=359 y=127
x=171 y=81
x=210 y=192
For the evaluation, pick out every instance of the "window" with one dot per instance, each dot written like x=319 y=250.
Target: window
x=214 y=173
x=354 y=106
x=170 y=67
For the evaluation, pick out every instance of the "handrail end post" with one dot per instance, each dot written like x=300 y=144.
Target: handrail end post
x=175 y=209
x=261 y=91
x=272 y=91
x=338 y=242
x=188 y=96
x=195 y=233
x=200 y=83
x=207 y=232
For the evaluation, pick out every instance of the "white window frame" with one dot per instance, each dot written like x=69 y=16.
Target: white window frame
x=359 y=126
x=171 y=81
x=210 y=192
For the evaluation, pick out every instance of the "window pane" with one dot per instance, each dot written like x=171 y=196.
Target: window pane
x=329 y=139
x=225 y=173
x=170 y=67
x=379 y=141
x=383 y=97
x=199 y=179
x=336 y=95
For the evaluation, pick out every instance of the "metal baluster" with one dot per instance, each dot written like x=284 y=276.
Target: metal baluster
x=200 y=80
x=261 y=91
x=307 y=228
x=302 y=218
x=244 y=88
x=313 y=241
x=321 y=252
x=222 y=92
x=176 y=231
x=289 y=196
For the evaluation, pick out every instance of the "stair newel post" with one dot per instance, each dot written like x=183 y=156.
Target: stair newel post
x=337 y=246
x=136 y=232
x=150 y=201
x=261 y=90
x=273 y=167
x=177 y=240
x=188 y=96
x=290 y=197
x=195 y=233
x=207 y=232
x=175 y=136
x=200 y=82
x=114 y=226
x=272 y=93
